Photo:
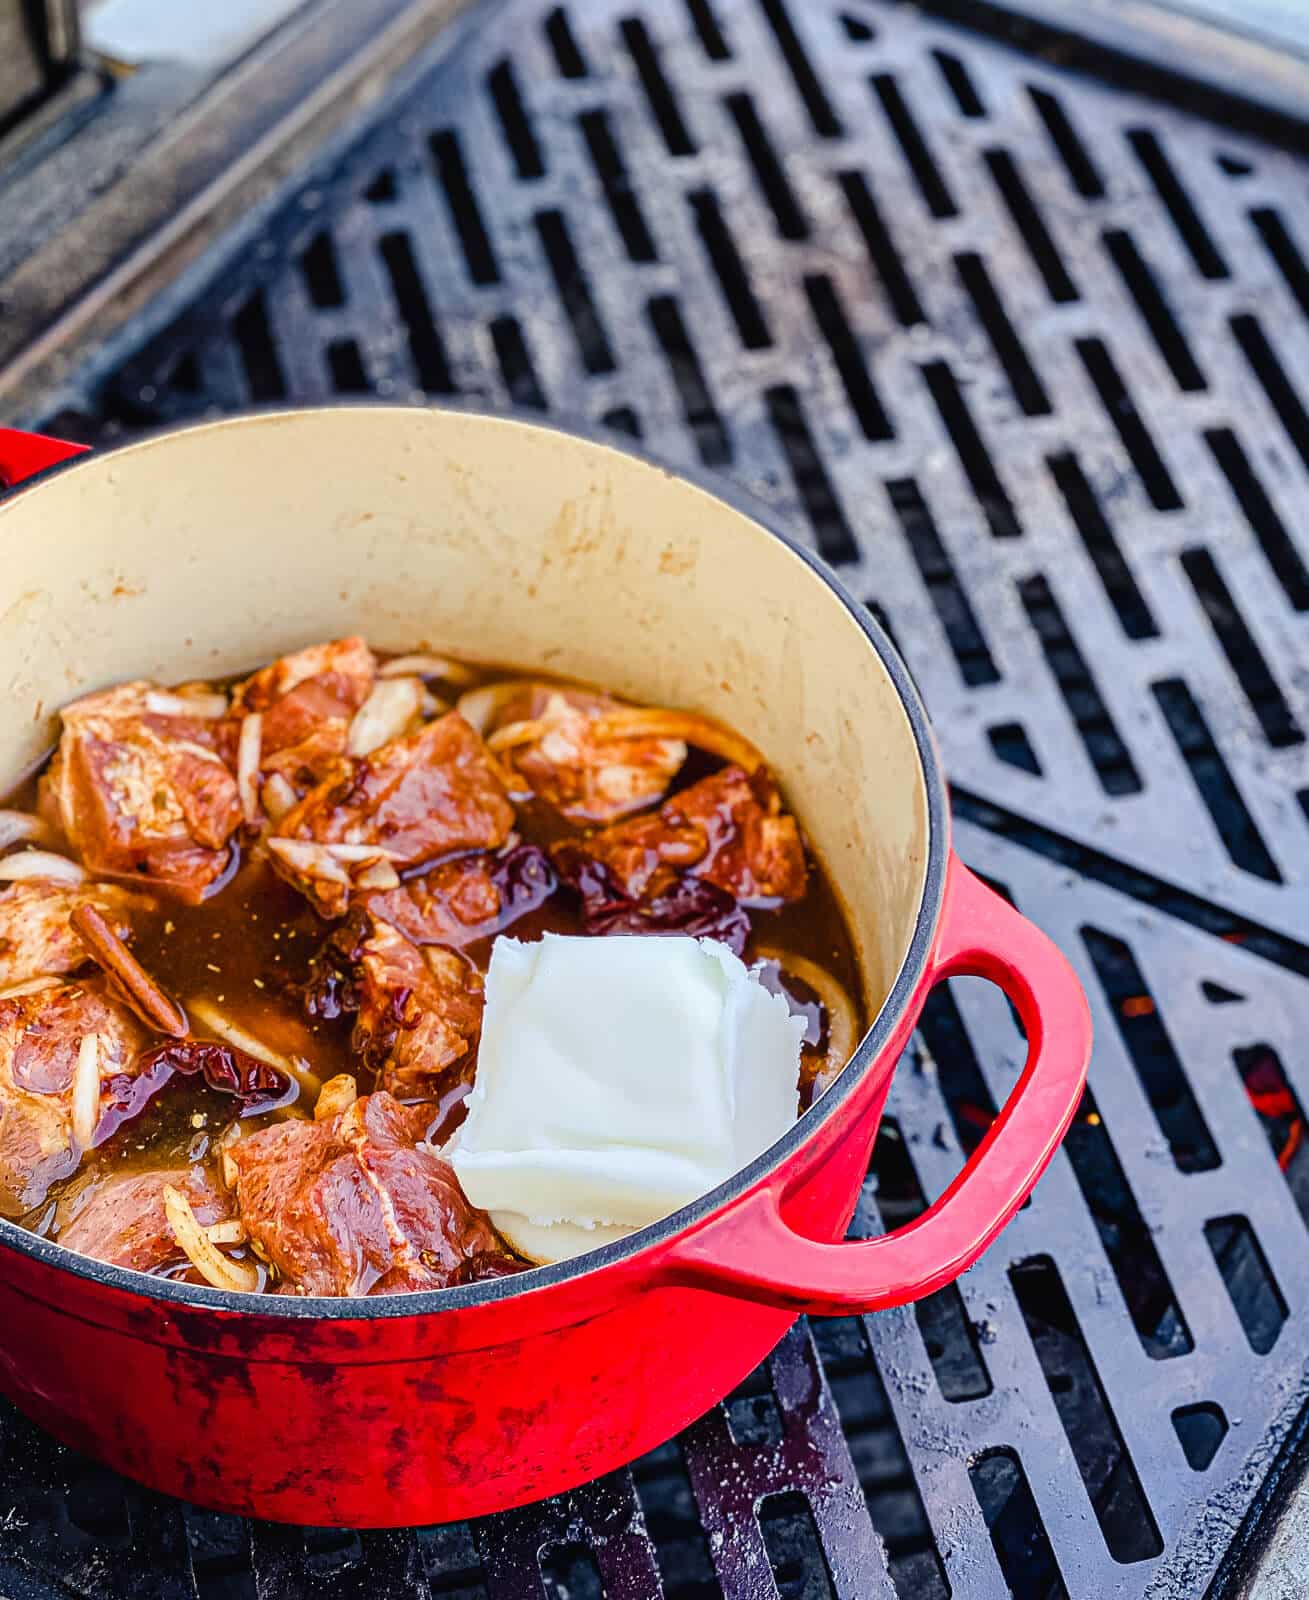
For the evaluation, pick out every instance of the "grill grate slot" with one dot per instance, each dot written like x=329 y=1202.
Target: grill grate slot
x=959 y=83
x=425 y=345
x=1067 y=141
x=1011 y=744
x=1256 y=1298
x=1141 y=284
x=1021 y=1544
x=795 y=1552
x=885 y=257
x=574 y=293
x=709 y=29
x=1230 y=814
x=1200 y=1430
x=769 y=174
x=616 y=185
x=1156 y=1061
x=684 y=366
x=1133 y=1255
x=464 y=209
x=1122 y=412
x=1101 y=545
x=1107 y=1471
x=516 y=366
x=1275 y=542
x=563 y=43
x=973 y=455
x=658 y=91
x=322 y=277
x=254 y=338
x=1190 y=229
x=948 y=595
x=569 y=1572
x=927 y=174
x=345 y=364
x=1104 y=744
x=517 y=126
x=1284 y=251
x=1277 y=1106
x=829 y=314
x=823 y=509
x=729 y=270
x=1031 y=225
x=1028 y=389
x=1238 y=645
x=826 y=123
x=1276 y=385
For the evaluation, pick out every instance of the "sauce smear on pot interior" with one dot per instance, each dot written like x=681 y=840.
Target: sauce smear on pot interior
x=313 y=863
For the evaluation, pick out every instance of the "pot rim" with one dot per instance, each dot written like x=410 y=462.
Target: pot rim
x=912 y=969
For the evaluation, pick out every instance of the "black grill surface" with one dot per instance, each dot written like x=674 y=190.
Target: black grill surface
x=1026 y=357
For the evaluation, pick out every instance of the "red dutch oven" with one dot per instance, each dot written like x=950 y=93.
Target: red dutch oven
x=205 y=550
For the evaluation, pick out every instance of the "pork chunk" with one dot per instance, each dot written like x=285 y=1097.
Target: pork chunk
x=728 y=830
x=142 y=792
x=420 y=1014
x=40 y=1038
x=430 y=794
x=307 y=701
x=547 y=737
x=470 y=898
x=355 y=1205
x=36 y=938
x=122 y=1220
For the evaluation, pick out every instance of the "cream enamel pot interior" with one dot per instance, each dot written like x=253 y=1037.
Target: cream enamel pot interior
x=208 y=550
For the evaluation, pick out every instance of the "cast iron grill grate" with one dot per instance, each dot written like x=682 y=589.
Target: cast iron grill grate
x=1028 y=358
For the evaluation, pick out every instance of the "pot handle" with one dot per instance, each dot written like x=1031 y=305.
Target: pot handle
x=22 y=455
x=750 y=1250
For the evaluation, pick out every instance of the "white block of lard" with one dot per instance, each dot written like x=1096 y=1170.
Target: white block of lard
x=618 y=1079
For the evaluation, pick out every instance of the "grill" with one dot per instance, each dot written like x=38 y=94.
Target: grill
x=1026 y=357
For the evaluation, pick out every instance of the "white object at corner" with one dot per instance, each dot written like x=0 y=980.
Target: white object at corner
x=134 y=31
x=618 y=1079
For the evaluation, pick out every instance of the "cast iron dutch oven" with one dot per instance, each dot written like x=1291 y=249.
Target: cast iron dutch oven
x=207 y=550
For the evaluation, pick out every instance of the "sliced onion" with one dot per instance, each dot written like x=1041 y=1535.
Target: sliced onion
x=361 y=852
x=32 y=986
x=381 y=875
x=479 y=706
x=19 y=825
x=515 y=733
x=442 y=668
x=218 y=1022
x=41 y=864
x=230 y=1135
x=242 y=1277
x=702 y=732
x=249 y=749
x=842 y=1019
x=86 y=1090
x=278 y=796
x=385 y=714
x=233 y=1231
x=312 y=860
x=204 y=703
x=337 y=1094
x=201 y=752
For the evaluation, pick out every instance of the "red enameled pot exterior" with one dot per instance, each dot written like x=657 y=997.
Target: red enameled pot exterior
x=420 y=1409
